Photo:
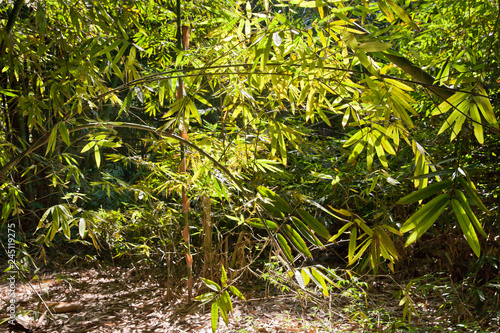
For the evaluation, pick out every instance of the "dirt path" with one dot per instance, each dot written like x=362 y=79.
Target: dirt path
x=128 y=300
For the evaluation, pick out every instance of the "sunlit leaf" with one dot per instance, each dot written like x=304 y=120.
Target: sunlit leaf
x=466 y=225
x=425 y=192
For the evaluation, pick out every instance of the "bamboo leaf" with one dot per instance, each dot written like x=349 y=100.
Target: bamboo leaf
x=82 y=227
x=426 y=221
x=374 y=46
x=362 y=249
x=352 y=245
x=472 y=192
x=278 y=201
x=478 y=127
x=51 y=145
x=356 y=137
x=453 y=101
x=285 y=248
x=211 y=284
x=227 y=301
x=97 y=155
x=305 y=276
x=306 y=232
x=465 y=205
x=64 y=133
x=223 y=309
x=223 y=278
x=256 y=222
x=401 y=13
x=319 y=277
x=340 y=232
x=297 y=241
x=236 y=292
x=486 y=109
x=466 y=225
x=417 y=217
x=425 y=192
x=300 y=279
x=205 y=298
x=314 y=224
x=214 y=316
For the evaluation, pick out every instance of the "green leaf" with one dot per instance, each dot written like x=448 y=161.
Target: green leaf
x=362 y=249
x=306 y=232
x=88 y=146
x=205 y=298
x=257 y=223
x=285 y=248
x=51 y=145
x=314 y=224
x=352 y=244
x=486 y=108
x=453 y=101
x=425 y=192
x=214 y=316
x=110 y=47
x=465 y=204
x=224 y=309
x=319 y=277
x=97 y=155
x=227 y=300
x=478 y=127
x=472 y=192
x=278 y=201
x=426 y=222
x=340 y=232
x=374 y=46
x=211 y=284
x=356 y=137
x=305 y=274
x=223 y=278
x=401 y=13
x=236 y=292
x=64 y=133
x=417 y=217
x=466 y=225
x=297 y=241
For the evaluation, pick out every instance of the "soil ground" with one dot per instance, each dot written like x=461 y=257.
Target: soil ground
x=134 y=300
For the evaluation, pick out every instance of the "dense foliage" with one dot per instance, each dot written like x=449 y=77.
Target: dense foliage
x=228 y=132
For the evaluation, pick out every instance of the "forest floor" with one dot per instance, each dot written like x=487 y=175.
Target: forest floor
x=134 y=300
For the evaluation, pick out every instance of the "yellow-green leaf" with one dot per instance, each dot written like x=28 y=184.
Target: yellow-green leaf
x=417 y=217
x=314 y=224
x=306 y=232
x=425 y=192
x=319 y=278
x=374 y=46
x=472 y=192
x=97 y=155
x=352 y=244
x=305 y=276
x=465 y=204
x=297 y=241
x=236 y=292
x=426 y=221
x=214 y=316
x=285 y=248
x=223 y=278
x=64 y=133
x=476 y=123
x=466 y=225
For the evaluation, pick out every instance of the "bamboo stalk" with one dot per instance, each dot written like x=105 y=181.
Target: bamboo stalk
x=183 y=34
